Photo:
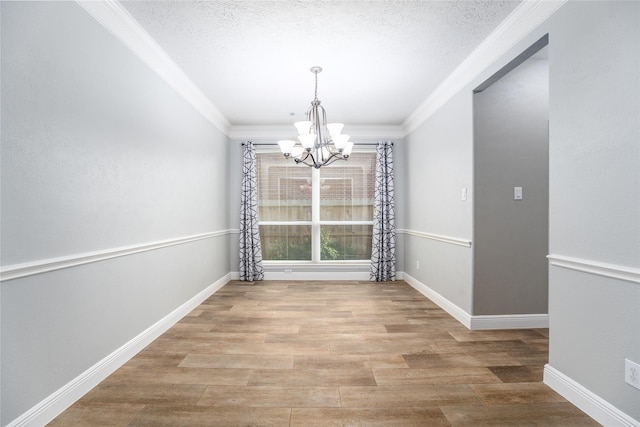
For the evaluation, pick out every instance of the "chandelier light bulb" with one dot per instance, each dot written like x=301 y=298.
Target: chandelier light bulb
x=340 y=141
x=307 y=140
x=303 y=127
x=286 y=146
x=347 y=149
x=335 y=129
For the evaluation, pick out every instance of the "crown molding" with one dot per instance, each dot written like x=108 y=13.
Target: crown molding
x=275 y=132
x=115 y=18
x=520 y=23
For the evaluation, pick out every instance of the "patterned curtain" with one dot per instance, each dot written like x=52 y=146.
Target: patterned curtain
x=383 y=248
x=250 y=249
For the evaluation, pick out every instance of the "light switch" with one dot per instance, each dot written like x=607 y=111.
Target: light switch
x=517 y=193
x=464 y=194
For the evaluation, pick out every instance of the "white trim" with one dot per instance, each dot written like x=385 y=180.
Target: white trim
x=522 y=21
x=346 y=222
x=459 y=314
x=311 y=222
x=56 y=403
x=276 y=132
x=115 y=18
x=17 y=271
x=484 y=322
x=592 y=404
x=613 y=271
x=436 y=237
x=509 y=321
x=317 y=275
x=283 y=223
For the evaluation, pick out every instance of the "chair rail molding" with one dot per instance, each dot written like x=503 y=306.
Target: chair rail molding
x=17 y=271
x=440 y=238
x=613 y=271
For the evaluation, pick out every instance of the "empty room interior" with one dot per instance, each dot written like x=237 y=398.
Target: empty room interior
x=187 y=237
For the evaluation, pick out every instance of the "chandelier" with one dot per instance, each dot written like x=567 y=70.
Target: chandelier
x=320 y=144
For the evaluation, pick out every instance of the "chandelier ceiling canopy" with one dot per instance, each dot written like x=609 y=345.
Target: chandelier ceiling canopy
x=319 y=144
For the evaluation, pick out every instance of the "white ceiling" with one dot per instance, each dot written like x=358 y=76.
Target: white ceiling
x=381 y=59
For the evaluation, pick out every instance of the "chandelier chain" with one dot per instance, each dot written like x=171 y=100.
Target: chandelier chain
x=316 y=92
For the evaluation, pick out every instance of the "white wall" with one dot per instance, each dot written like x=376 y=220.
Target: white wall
x=594 y=55
x=98 y=153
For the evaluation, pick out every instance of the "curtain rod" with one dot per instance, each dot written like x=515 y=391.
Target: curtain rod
x=355 y=144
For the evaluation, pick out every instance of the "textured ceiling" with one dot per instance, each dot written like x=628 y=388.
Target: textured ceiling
x=381 y=59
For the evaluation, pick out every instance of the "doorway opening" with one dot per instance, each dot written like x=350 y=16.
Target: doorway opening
x=511 y=187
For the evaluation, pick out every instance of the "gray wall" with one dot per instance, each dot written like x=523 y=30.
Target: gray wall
x=595 y=195
x=594 y=200
x=97 y=153
x=511 y=148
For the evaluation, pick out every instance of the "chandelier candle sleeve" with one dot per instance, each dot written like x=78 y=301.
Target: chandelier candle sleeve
x=320 y=143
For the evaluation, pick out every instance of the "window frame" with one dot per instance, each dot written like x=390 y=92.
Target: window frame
x=315 y=223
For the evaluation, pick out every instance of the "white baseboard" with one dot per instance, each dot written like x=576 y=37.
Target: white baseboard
x=484 y=322
x=592 y=404
x=459 y=314
x=56 y=403
x=510 y=321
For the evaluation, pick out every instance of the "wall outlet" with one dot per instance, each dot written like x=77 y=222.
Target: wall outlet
x=632 y=373
x=288 y=271
x=417 y=265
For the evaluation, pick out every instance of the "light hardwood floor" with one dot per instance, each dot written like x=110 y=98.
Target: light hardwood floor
x=328 y=353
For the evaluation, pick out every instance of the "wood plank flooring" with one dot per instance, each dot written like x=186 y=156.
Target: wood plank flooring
x=328 y=353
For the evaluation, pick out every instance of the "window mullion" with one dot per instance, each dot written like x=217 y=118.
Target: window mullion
x=315 y=215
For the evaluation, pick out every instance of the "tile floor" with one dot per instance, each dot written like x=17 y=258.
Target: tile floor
x=328 y=354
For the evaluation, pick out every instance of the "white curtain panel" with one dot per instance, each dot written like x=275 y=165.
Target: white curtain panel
x=383 y=248
x=250 y=249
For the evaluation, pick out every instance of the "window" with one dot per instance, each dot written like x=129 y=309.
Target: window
x=309 y=214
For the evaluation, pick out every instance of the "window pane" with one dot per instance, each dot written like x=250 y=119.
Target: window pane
x=286 y=242
x=345 y=242
x=346 y=189
x=284 y=189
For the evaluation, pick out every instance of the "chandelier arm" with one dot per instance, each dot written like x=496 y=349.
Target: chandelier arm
x=333 y=158
x=313 y=162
